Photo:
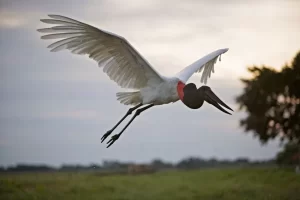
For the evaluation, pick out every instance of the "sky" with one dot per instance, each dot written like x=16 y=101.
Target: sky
x=55 y=107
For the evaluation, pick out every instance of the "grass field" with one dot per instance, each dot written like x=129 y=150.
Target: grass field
x=210 y=184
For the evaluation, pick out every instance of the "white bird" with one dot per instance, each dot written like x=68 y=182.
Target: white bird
x=126 y=66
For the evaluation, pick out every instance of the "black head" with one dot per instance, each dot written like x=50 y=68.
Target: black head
x=194 y=98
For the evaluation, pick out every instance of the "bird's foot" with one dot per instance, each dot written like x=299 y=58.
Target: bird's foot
x=113 y=139
x=106 y=135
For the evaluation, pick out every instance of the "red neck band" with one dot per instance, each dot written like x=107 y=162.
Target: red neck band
x=180 y=87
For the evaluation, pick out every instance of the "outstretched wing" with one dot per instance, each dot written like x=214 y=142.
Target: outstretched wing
x=207 y=63
x=120 y=61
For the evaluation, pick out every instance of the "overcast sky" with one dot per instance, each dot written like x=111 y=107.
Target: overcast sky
x=55 y=107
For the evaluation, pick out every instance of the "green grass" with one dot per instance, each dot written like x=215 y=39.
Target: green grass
x=211 y=184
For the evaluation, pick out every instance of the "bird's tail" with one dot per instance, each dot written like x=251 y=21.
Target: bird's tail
x=129 y=98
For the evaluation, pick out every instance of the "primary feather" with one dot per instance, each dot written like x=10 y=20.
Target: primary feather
x=119 y=60
x=205 y=63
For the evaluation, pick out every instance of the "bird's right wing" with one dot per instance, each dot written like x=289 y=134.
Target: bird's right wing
x=120 y=61
x=207 y=63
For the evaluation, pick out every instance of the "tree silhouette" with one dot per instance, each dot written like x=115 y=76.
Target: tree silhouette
x=289 y=155
x=271 y=100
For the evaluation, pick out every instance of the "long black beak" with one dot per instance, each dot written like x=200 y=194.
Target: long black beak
x=211 y=98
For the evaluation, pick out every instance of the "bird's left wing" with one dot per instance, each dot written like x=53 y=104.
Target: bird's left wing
x=205 y=63
x=119 y=60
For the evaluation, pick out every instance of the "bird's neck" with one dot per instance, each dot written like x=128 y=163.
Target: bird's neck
x=180 y=86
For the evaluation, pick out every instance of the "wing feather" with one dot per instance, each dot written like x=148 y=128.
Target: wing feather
x=205 y=64
x=113 y=53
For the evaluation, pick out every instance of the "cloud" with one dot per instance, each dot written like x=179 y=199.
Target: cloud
x=60 y=104
x=75 y=114
x=10 y=20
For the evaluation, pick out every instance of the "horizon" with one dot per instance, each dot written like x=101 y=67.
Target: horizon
x=134 y=162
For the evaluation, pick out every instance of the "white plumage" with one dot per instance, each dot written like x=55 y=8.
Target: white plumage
x=124 y=65
x=121 y=62
x=207 y=63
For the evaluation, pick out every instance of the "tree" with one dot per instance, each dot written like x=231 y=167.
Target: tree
x=159 y=164
x=271 y=100
x=289 y=155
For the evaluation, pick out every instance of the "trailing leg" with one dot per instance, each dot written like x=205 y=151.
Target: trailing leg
x=139 y=111
x=128 y=113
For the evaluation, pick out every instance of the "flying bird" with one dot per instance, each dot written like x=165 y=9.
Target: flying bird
x=127 y=67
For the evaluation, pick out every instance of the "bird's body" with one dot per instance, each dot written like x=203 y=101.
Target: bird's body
x=163 y=93
x=124 y=65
